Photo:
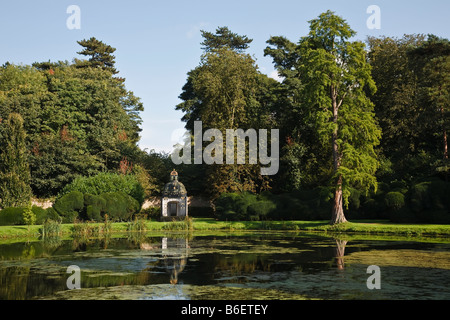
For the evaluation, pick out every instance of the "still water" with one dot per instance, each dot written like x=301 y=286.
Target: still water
x=233 y=267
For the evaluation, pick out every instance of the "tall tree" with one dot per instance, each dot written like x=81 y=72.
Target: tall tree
x=431 y=62
x=226 y=91
x=403 y=119
x=335 y=77
x=14 y=169
x=79 y=120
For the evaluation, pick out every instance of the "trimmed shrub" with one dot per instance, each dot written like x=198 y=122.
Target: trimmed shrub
x=69 y=206
x=120 y=206
x=395 y=200
x=260 y=210
x=420 y=197
x=107 y=182
x=225 y=206
x=94 y=207
x=41 y=214
x=153 y=212
x=14 y=216
x=53 y=215
x=11 y=216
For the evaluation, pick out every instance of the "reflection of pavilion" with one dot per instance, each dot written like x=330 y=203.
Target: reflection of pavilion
x=174 y=255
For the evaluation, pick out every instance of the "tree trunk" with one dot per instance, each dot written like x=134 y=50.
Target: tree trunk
x=445 y=137
x=337 y=215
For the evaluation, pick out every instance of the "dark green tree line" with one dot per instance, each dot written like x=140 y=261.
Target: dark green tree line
x=79 y=118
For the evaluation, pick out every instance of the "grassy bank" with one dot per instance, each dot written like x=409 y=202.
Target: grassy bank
x=206 y=224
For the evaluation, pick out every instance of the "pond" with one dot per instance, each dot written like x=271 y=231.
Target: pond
x=269 y=265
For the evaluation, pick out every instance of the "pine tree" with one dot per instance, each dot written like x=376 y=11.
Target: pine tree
x=100 y=55
x=15 y=187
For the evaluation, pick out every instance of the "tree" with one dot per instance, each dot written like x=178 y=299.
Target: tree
x=79 y=120
x=404 y=120
x=335 y=77
x=15 y=188
x=224 y=38
x=431 y=62
x=226 y=91
x=100 y=55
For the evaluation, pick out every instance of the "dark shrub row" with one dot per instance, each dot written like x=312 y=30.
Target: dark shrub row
x=14 y=216
x=119 y=206
x=423 y=202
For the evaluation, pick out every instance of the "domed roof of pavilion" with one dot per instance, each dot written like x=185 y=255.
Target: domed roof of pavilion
x=174 y=188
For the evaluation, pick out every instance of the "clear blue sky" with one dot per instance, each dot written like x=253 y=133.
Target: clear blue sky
x=158 y=42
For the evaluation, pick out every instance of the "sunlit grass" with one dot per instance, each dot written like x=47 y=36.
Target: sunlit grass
x=370 y=227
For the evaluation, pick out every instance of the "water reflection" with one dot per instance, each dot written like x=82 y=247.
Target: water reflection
x=339 y=252
x=174 y=254
x=186 y=267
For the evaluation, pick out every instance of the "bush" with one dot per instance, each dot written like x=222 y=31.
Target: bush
x=429 y=200
x=14 y=216
x=151 y=213
x=420 y=197
x=52 y=214
x=261 y=210
x=41 y=214
x=120 y=206
x=69 y=206
x=106 y=183
x=11 y=216
x=94 y=207
x=395 y=200
x=225 y=206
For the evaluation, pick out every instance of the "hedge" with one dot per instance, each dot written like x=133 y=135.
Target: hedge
x=14 y=216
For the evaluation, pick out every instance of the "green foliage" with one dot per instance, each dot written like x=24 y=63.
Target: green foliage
x=120 y=206
x=11 y=216
x=226 y=91
x=29 y=217
x=330 y=76
x=15 y=215
x=69 y=206
x=395 y=200
x=224 y=38
x=94 y=206
x=14 y=169
x=50 y=228
x=301 y=205
x=108 y=182
x=100 y=55
x=260 y=210
x=52 y=214
x=79 y=119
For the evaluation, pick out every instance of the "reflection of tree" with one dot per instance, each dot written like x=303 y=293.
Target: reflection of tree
x=339 y=251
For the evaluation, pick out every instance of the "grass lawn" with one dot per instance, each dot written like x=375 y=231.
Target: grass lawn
x=371 y=227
